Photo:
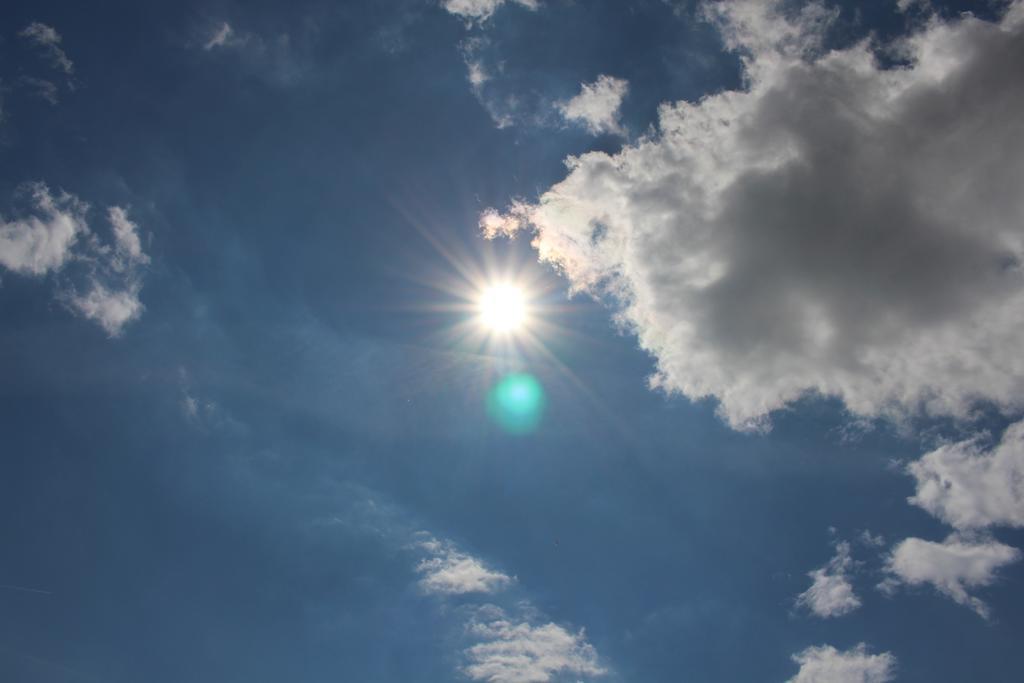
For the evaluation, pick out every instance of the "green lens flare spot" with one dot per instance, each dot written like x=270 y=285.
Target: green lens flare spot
x=517 y=403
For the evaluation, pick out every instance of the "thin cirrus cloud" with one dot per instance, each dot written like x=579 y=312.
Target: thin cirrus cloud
x=831 y=593
x=49 y=41
x=55 y=233
x=221 y=36
x=596 y=107
x=281 y=59
x=835 y=228
x=826 y=664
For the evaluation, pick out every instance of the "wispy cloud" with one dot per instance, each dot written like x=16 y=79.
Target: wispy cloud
x=111 y=295
x=47 y=38
x=41 y=88
x=221 y=36
x=831 y=593
x=280 y=58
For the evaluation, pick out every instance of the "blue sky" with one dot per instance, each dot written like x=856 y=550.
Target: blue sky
x=771 y=255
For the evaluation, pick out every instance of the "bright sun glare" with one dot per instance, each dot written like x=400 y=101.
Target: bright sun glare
x=502 y=308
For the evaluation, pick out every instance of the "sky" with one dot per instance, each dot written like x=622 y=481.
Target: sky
x=512 y=341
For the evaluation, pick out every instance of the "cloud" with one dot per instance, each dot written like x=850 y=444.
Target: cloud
x=224 y=36
x=517 y=647
x=951 y=567
x=42 y=242
x=450 y=572
x=512 y=651
x=56 y=233
x=836 y=228
x=825 y=664
x=41 y=88
x=969 y=487
x=502 y=106
x=597 y=105
x=114 y=281
x=221 y=36
x=127 y=245
x=281 y=59
x=871 y=540
x=831 y=593
x=49 y=40
x=481 y=10
x=111 y=308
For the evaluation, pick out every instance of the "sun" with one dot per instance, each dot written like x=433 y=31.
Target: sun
x=502 y=308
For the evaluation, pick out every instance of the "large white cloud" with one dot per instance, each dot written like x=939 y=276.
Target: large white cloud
x=511 y=651
x=596 y=106
x=826 y=664
x=836 y=227
x=831 y=593
x=970 y=488
x=951 y=567
x=55 y=233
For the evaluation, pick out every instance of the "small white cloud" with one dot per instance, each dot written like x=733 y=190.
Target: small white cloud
x=522 y=652
x=49 y=40
x=42 y=242
x=111 y=308
x=831 y=593
x=969 y=487
x=597 y=105
x=450 y=572
x=951 y=567
x=481 y=10
x=826 y=664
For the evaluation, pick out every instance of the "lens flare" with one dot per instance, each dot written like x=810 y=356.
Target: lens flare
x=502 y=308
x=516 y=403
